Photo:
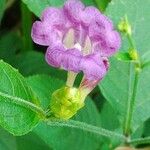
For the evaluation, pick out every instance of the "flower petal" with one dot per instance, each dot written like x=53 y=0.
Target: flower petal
x=96 y=33
x=54 y=55
x=71 y=60
x=90 y=15
x=54 y=16
x=98 y=28
x=73 y=9
x=93 y=67
x=104 y=22
x=42 y=34
x=110 y=43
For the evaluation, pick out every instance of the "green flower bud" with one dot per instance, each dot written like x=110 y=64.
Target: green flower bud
x=65 y=102
x=133 y=54
x=124 y=26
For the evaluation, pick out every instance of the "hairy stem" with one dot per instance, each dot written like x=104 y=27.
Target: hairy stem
x=23 y=103
x=26 y=27
x=131 y=103
x=132 y=98
x=86 y=127
x=131 y=42
x=145 y=140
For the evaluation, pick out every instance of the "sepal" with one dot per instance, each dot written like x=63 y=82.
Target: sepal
x=65 y=102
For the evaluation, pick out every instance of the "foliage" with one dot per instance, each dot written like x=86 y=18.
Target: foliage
x=115 y=113
x=2 y=7
x=121 y=75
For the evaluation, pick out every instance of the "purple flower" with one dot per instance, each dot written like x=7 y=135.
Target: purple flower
x=79 y=39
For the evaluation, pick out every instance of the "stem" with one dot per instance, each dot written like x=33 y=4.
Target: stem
x=86 y=127
x=132 y=98
x=23 y=103
x=26 y=27
x=71 y=78
x=145 y=140
x=131 y=41
x=131 y=104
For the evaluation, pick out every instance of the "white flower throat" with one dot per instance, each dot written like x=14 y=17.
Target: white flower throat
x=69 y=42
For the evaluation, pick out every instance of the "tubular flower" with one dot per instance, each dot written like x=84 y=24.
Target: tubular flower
x=79 y=39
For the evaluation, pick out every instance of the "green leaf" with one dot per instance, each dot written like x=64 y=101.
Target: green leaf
x=14 y=92
x=107 y=115
x=8 y=51
x=34 y=63
x=117 y=88
x=89 y=2
x=118 y=85
x=38 y=6
x=146 y=131
x=109 y=120
x=123 y=56
x=61 y=137
x=146 y=59
x=26 y=25
x=138 y=16
x=44 y=86
x=2 y=7
x=31 y=141
x=102 y=4
x=7 y=141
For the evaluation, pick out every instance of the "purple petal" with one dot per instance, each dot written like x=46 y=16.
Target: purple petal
x=104 y=22
x=87 y=23
x=93 y=67
x=54 y=16
x=42 y=34
x=110 y=43
x=71 y=60
x=98 y=28
x=96 y=33
x=113 y=40
x=54 y=55
x=73 y=9
x=89 y=15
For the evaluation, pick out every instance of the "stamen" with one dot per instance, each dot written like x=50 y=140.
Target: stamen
x=69 y=39
x=88 y=46
x=78 y=46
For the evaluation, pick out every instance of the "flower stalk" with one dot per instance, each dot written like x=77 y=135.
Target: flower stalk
x=145 y=140
x=131 y=102
x=71 y=78
x=125 y=27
